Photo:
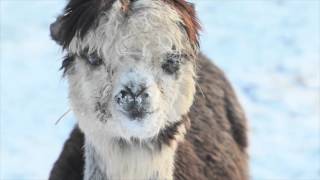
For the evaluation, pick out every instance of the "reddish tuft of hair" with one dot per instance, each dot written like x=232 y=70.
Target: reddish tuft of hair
x=188 y=14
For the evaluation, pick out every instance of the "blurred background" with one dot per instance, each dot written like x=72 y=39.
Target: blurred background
x=269 y=49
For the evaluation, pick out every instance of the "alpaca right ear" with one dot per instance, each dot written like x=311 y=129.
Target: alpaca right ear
x=56 y=30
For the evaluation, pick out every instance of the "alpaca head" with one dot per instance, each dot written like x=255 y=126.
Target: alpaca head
x=130 y=64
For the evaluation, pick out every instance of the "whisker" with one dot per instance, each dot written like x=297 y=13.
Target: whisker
x=62 y=116
x=201 y=90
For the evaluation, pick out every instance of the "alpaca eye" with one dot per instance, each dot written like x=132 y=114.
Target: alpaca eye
x=94 y=59
x=172 y=63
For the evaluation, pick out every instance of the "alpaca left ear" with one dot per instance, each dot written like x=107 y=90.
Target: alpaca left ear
x=56 y=31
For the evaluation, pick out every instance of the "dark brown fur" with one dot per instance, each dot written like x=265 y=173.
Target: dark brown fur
x=214 y=147
x=190 y=22
x=77 y=19
x=70 y=162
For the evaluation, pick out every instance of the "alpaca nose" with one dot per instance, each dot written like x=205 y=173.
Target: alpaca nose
x=134 y=101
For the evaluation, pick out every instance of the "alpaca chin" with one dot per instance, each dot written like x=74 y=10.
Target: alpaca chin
x=132 y=159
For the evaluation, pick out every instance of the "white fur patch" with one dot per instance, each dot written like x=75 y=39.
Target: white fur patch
x=130 y=163
x=133 y=48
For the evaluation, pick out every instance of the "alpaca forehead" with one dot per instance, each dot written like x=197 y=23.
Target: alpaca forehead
x=148 y=26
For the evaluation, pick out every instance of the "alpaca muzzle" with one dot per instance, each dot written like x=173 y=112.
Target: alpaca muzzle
x=134 y=101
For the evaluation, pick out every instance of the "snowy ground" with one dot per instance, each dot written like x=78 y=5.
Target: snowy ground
x=268 y=48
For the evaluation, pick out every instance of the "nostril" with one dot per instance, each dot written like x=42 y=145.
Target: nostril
x=123 y=97
x=118 y=100
x=145 y=95
x=123 y=93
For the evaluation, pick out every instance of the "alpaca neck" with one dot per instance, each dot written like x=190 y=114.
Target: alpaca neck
x=130 y=161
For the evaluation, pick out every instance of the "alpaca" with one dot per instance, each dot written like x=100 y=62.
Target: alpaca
x=149 y=105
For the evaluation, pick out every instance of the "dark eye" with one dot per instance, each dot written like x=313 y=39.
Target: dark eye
x=172 y=63
x=94 y=59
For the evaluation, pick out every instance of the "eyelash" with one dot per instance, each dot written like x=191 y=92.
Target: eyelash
x=93 y=59
x=172 y=63
x=170 y=66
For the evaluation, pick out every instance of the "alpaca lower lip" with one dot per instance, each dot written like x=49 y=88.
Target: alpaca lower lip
x=136 y=115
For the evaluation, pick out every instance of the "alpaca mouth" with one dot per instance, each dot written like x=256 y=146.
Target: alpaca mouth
x=136 y=114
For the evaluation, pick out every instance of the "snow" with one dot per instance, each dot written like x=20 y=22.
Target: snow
x=270 y=50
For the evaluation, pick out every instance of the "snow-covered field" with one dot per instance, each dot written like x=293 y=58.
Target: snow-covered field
x=270 y=50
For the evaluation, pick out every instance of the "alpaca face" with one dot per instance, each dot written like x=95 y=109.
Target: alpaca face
x=133 y=73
